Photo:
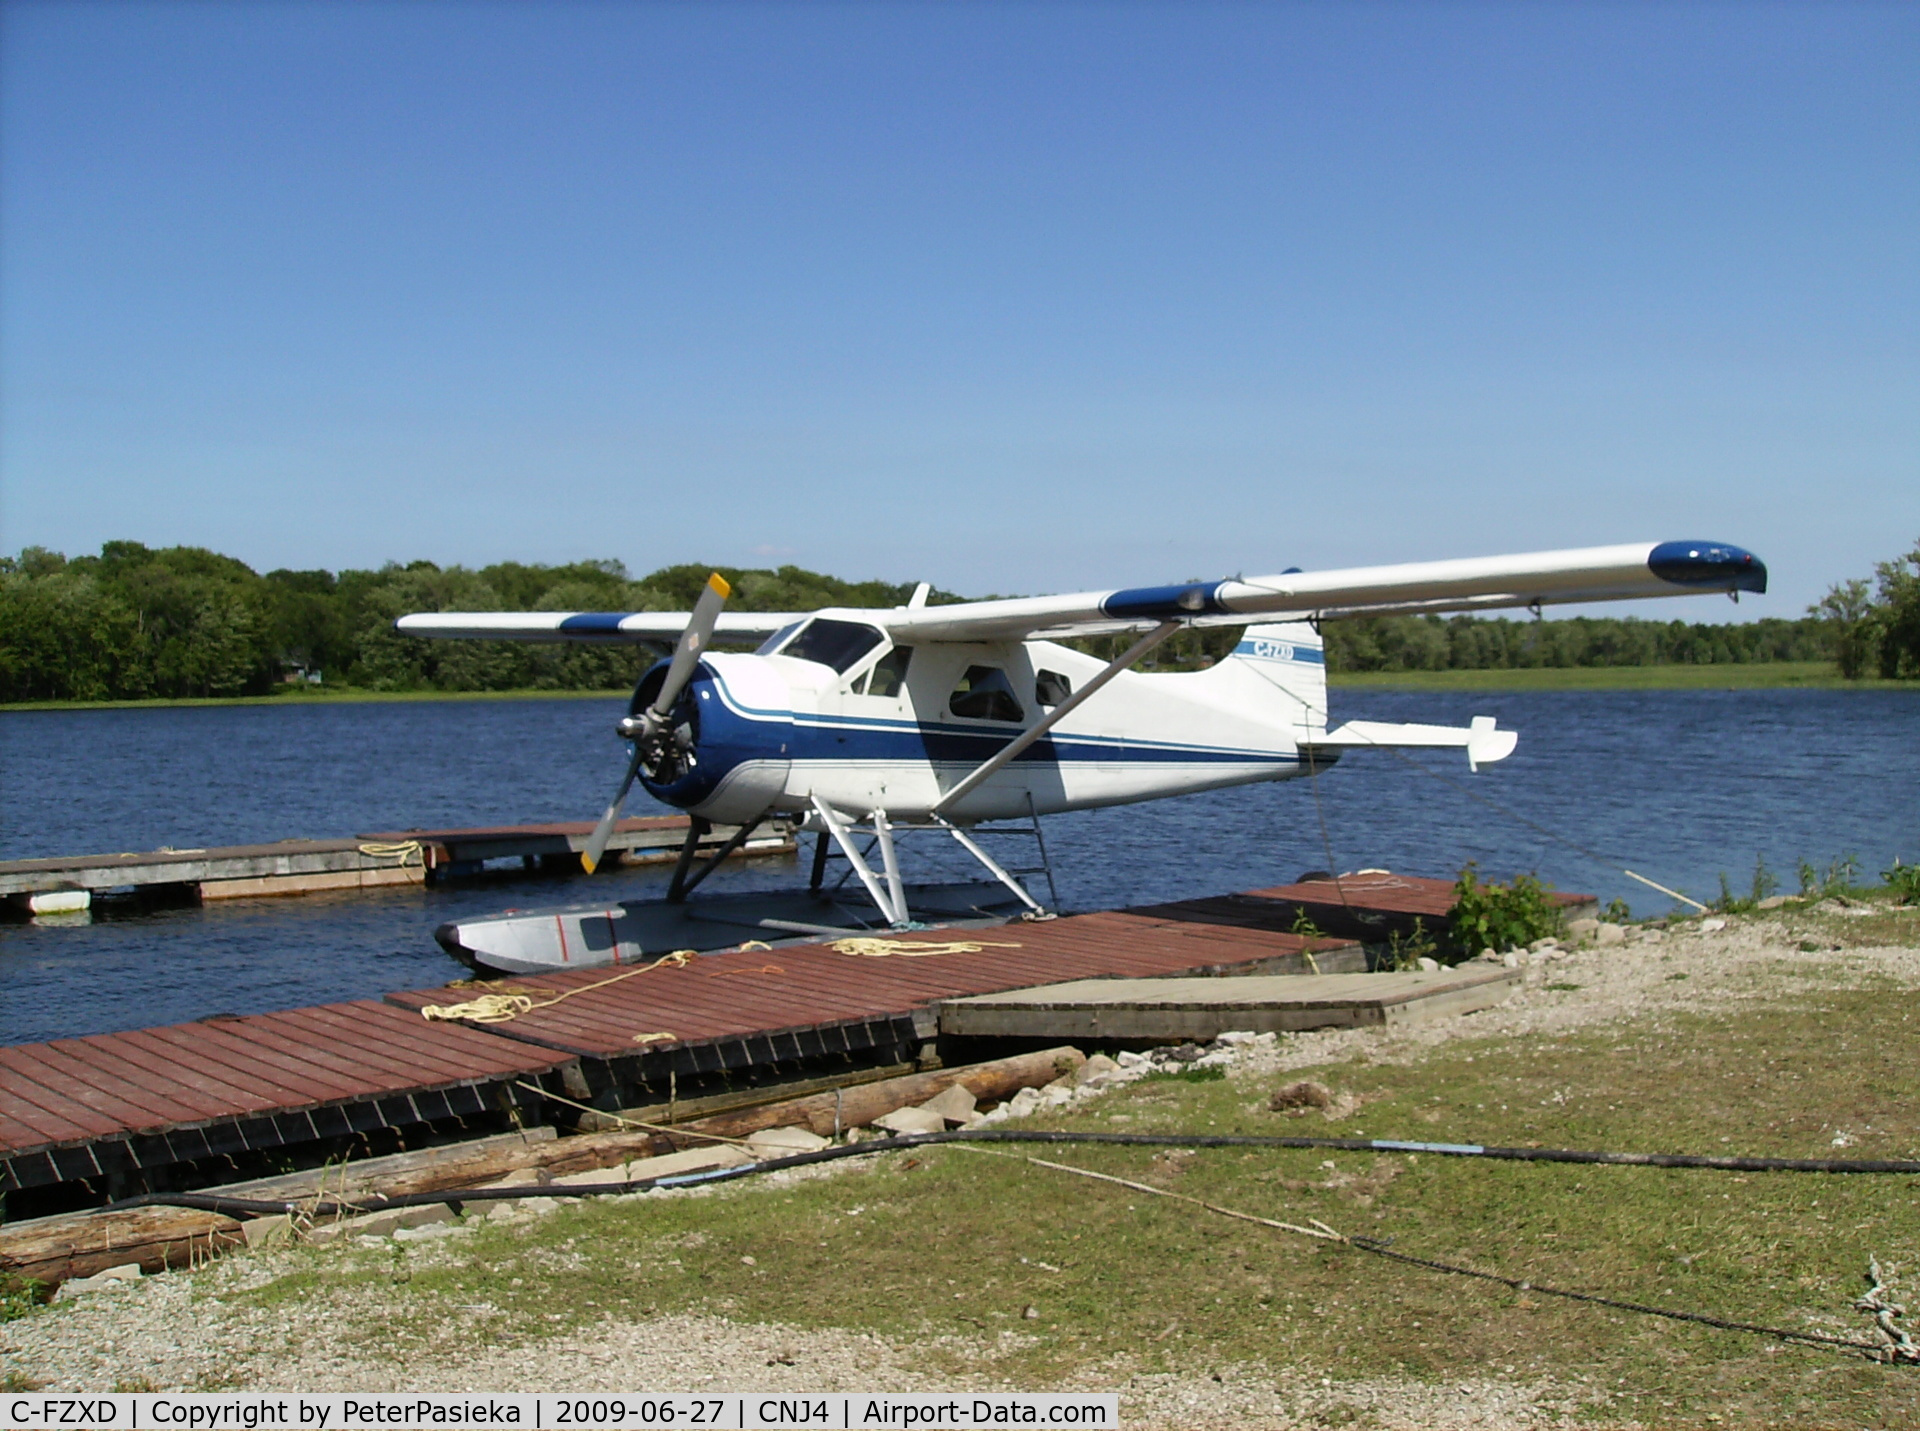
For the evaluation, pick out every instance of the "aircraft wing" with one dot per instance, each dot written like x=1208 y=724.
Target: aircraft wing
x=593 y=627
x=1615 y=573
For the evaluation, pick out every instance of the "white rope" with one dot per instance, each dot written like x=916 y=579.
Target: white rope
x=909 y=949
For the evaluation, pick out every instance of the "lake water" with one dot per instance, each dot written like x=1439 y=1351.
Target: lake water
x=1679 y=785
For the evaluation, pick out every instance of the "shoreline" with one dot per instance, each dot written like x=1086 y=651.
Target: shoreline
x=1775 y=675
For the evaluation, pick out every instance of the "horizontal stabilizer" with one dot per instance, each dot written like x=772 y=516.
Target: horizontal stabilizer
x=1481 y=740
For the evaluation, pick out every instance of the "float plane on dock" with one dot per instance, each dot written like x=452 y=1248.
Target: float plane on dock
x=864 y=722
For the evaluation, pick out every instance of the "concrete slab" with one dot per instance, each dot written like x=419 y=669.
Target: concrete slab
x=1167 y=1009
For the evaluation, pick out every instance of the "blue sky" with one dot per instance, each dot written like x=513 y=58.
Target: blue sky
x=1006 y=297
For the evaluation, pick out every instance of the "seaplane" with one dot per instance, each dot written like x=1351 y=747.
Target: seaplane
x=859 y=724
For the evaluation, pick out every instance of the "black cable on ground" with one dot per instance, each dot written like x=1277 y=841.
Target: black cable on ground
x=259 y=1207
x=1376 y=1248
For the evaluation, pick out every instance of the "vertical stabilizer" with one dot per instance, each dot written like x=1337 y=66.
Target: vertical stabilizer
x=1279 y=675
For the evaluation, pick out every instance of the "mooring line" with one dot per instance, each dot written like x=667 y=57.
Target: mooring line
x=1899 y=1351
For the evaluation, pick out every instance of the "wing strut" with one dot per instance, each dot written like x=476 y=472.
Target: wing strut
x=1009 y=752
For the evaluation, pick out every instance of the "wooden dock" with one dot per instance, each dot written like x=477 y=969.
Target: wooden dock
x=1162 y=1010
x=187 y=1102
x=86 y=1120
x=394 y=857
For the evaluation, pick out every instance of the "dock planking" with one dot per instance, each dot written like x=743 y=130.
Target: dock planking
x=116 y=1106
x=640 y=1032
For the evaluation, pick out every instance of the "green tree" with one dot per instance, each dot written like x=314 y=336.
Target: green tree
x=1899 y=615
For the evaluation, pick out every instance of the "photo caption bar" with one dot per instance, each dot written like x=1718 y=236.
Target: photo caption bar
x=552 y=1411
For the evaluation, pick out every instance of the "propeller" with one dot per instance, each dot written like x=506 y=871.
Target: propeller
x=644 y=729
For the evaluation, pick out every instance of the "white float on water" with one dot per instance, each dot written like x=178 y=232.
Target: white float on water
x=61 y=901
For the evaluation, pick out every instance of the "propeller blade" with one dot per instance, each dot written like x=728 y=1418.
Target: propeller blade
x=693 y=641
x=686 y=656
x=602 y=832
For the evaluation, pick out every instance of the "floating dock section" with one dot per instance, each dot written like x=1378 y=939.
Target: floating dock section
x=395 y=857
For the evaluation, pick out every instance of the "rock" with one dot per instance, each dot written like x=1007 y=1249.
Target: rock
x=1095 y=1071
x=1054 y=1096
x=1487 y=956
x=100 y=1281
x=956 y=1104
x=1609 y=934
x=1024 y=1102
x=1582 y=928
x=381 y=1224
x=1774 y=901
x=1510 y=960
x=273 y=1231
x=1237 y=1038
x=785 y=1142
x=1127 y=1058
x=427 y=1233
x=1712 y=926
x=1430 y=966
x=1549 y=942
x=1298 y=1097
x=1185 y=1053
x=913 y=1120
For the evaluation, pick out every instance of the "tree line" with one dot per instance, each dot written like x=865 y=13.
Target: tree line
x=1876 y=625
x=135 y=622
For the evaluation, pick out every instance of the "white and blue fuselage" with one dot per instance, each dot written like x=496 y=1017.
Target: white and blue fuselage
x=900 y=726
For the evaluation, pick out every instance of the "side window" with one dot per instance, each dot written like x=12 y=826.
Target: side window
x=838 y=644
x=889 y=673
x=984 y=693
x=1050 y=688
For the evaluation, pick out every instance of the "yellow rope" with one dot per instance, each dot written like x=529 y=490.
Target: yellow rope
x=406 y=851
x=908 y=949
x=499 y=1008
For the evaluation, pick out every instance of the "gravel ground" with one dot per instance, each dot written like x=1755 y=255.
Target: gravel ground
x=180 y=1332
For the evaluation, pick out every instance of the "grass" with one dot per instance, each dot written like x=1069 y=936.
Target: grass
x=1756 y=676
x=944 y=1248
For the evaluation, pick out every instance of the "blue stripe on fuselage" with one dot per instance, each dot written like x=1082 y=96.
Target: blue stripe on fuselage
x=732 y=734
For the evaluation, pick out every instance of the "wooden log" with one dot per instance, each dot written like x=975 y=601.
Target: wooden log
x=53 y=1249
x=822 y=1113
x=451 y=1165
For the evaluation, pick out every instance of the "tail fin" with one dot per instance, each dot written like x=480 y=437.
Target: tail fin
x=1279 y=671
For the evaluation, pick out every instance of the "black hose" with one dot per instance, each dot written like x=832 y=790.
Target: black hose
x=259 y=1207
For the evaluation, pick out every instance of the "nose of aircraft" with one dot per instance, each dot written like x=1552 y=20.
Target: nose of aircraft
x=1709 y=564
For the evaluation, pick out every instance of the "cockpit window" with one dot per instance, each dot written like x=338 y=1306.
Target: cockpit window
x=838 y=644
x=985 y=693
x=779 y=638
x=1050 y=688
x=889 y=673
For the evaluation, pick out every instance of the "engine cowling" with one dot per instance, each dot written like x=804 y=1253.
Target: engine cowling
x=724 y=750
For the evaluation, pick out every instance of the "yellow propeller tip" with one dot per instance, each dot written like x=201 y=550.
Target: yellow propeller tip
x=718 y=585
x=586 y=862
